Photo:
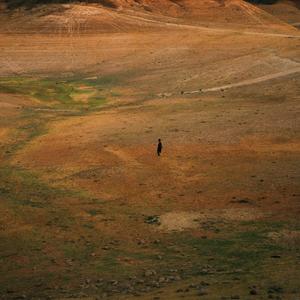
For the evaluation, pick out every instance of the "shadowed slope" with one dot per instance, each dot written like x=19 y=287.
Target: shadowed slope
x=286 y=10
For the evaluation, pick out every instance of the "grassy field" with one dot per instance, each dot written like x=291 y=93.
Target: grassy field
x=62 y=239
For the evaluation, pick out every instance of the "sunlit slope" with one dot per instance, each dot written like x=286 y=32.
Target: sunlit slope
x=121 y=15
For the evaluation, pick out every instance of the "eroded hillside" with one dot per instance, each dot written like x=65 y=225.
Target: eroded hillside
x=121 y=15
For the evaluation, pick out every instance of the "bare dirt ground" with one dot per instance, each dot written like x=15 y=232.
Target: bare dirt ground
x=88 y=211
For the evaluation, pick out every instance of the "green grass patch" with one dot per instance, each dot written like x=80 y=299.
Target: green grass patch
x=95 y=212
x=62 y=94
x=22 y=187
x=78 y=253
x=102 y=81
x=246 y=249
x=111 y=265
x=19 y=187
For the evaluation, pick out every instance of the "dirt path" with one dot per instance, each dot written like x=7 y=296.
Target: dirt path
x=218 y=30
x=247 y=82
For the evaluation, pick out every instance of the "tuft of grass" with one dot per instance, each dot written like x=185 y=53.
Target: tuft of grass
x=95 y=212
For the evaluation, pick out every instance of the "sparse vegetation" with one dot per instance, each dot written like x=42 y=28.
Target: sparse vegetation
x=60 y=94
x=88 y=210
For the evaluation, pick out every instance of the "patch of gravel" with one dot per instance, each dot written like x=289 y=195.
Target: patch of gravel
x=181 y=220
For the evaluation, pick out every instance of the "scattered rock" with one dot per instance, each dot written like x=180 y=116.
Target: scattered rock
x=149 y=273
x=140 y=281
x=141 y=242
x=161 y=279
x=164 y=95
x=242 y=201
x=253 y=292
x=275 y=289
x=114 y=282
x=152 y=220
x=173 y=271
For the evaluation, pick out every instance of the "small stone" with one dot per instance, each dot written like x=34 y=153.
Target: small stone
x=20 y=297
x=204 y=283
x=161 y=279
x=275 y=289
x=173 y=270
x=152 y=220
x=140 y=281
x=253 y=292
x=149 y=273
x=114 y=282
x=155 y=284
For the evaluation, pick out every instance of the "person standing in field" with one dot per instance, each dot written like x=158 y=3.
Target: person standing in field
x=159 y=147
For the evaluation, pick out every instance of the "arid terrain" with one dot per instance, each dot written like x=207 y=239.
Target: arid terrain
x=87 y=208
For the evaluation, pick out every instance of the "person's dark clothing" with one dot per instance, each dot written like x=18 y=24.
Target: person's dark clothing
x=159 y=148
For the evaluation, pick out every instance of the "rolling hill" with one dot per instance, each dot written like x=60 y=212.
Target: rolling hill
x=124 y=15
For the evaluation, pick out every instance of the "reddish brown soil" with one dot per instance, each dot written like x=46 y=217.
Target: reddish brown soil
x=78 y=183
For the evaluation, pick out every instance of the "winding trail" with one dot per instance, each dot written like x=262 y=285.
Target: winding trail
x=217 y=30
x=246 y=82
